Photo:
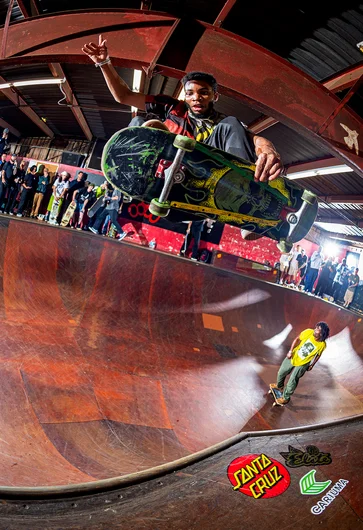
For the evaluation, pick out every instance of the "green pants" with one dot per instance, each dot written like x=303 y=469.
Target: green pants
x=296 y=372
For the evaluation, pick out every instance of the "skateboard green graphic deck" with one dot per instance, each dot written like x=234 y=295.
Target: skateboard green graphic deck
x=175 y=173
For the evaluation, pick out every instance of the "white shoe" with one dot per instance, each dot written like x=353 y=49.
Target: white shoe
x=194 y=259
x=122 y=236
x=19 y=215
x=93 y=230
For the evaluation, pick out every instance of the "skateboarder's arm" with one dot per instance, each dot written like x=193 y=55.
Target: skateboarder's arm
x=293 y=345
x=316 y=358
x=268 y=164
x=119 y=89
x=75 y=195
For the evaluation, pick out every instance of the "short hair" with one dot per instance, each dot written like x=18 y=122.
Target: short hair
x=84 y=175
x=201 y=76
x=325 y=331
x=32 y=168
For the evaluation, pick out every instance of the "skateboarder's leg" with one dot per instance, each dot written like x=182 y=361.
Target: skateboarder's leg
x=285 y=369
x=230 y=136
x=23 y=199
x=196 y=231
x=100 y=219
x=186 y=243
x=296 y=374
x=113 y=216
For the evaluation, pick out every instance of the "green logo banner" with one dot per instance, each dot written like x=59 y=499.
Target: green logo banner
x=308 y=485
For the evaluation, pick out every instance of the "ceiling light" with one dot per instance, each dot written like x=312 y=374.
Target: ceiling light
x=343 y=168
x=136 y=84
x=360 y=46
x=32 y=82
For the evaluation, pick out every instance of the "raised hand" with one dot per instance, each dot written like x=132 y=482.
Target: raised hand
x=96 y=52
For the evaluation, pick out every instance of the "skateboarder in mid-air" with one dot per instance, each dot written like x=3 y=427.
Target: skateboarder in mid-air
x=304 y=353
x=195 y=117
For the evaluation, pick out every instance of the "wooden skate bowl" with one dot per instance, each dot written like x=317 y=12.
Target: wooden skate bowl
x=116 y=359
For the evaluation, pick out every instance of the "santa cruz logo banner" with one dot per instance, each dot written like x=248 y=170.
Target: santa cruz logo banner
x=258 y=476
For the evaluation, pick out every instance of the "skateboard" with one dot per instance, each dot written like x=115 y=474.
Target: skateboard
x=174 y=173
x=68 y=214
x=54 y=212
x=95 y=207
x=276 y=394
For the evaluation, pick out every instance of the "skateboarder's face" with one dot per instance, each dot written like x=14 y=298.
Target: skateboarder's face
x=199 y=97
x=317 y=333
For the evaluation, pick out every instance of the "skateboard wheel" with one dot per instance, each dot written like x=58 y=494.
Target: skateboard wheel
x=284 y=246
x=184 y=143
x=159 y=209
x=309 y=197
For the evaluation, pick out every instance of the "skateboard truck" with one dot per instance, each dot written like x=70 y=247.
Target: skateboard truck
x=179 y=176
x=174 y=173
x=293 y=219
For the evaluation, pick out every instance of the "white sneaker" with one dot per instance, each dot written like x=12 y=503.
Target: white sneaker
x=93 y=230
x=194 y=259
x=19 y=215
x=122 y=236
x=11 y=213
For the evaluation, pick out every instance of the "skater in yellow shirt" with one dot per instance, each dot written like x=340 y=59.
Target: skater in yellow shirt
x=304 y=353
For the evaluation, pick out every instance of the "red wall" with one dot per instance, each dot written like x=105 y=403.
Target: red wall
x=262 y=250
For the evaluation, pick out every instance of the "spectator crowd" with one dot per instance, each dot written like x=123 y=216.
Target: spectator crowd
x=32 y=193
x=320 y=276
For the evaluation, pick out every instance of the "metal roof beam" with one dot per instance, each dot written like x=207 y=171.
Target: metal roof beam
x=224 y=13
x=19 y=102
x=12 y=129
x=342 y=199
x=58 y=72
x=344 y=237
x=335 y=219
x=335 y=84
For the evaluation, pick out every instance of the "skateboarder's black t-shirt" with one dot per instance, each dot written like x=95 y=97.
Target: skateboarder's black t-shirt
x=29 y=179
x=83 y=195
x=174 y=113
x=8 y=169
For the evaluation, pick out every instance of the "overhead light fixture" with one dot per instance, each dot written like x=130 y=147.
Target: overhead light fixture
x=342 y=168
x=32 y=82
x=360 y=46
x=136 y=84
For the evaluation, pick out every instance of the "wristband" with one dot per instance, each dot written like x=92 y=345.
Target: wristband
x=102 y=63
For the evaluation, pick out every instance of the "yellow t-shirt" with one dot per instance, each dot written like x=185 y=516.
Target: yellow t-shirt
x=307 y=349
